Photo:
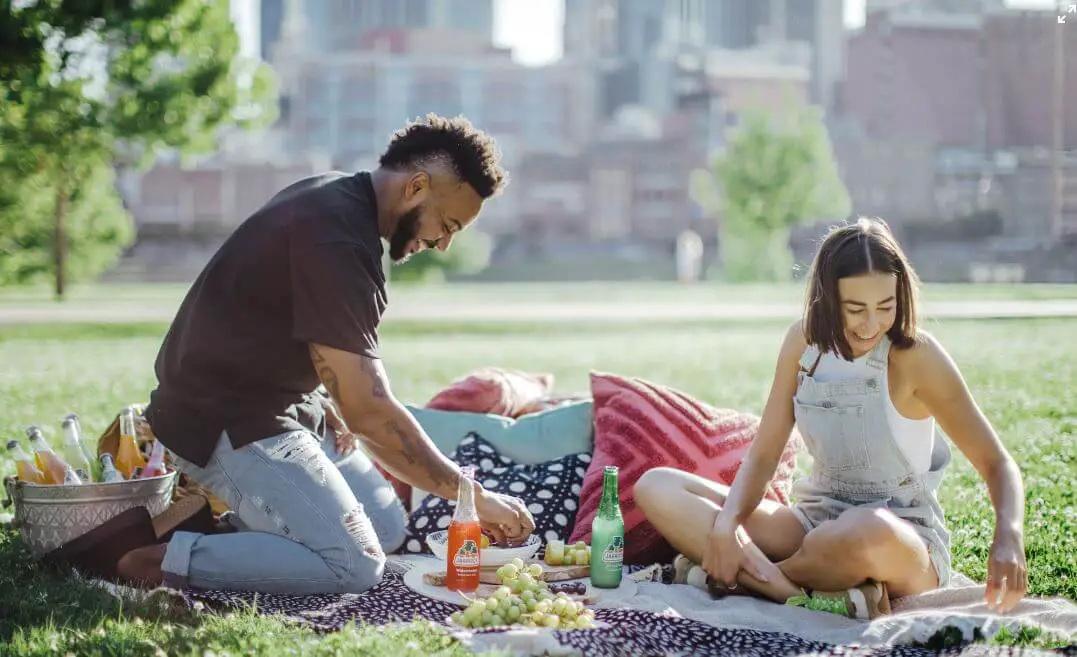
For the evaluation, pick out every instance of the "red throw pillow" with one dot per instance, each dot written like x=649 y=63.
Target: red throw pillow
x=641 y=425
x=494 y=390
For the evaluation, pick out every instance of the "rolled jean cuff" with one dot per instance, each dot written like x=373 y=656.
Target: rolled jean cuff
x=176 y=565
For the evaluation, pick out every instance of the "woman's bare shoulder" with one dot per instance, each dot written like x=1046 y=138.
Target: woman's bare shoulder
x=924 y=356
x=795 y=341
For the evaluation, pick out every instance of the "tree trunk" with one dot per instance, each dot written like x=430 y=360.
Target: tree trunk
x=59 y=246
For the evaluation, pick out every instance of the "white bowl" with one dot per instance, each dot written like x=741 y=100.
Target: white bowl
x=490 y=556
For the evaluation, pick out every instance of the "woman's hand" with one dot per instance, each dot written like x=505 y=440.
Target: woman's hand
x=724 y=555
x=1007 y=572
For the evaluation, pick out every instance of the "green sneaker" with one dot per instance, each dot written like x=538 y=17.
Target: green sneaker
x=867 y=601
x=819 y=603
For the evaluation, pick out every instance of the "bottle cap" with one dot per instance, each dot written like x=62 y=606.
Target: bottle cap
x=33 y=431
x=467 y=471
x=12 y=444
x=71 y=418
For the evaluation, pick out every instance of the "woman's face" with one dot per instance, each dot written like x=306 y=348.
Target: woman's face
x=868 y=309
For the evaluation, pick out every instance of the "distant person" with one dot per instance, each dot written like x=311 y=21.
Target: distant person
x=291 y=301
x=865 y=388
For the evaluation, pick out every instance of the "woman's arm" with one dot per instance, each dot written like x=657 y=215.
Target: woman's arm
x=940 y=386
x=766 y=449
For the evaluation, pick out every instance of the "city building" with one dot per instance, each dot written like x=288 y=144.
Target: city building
x=337 y=25
x=961 y=80
x=633 y=44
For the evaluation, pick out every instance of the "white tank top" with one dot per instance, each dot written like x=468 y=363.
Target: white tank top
x=916 y=438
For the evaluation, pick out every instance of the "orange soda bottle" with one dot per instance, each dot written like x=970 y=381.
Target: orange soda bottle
x=48 y=461
x=128 y=455
x=465 y=538
x=25 y=467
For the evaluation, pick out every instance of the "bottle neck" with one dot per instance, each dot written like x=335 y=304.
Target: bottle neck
x=127 y=425
x=20 y=454
x=610 y=504
x=465 y=500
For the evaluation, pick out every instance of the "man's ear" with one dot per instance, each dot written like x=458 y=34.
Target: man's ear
x=418 y=186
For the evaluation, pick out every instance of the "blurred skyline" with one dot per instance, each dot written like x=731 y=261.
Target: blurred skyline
x=532 y=28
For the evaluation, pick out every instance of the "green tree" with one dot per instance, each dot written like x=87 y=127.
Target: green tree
x=112 y=82
x=98 y=228
x=776 y=172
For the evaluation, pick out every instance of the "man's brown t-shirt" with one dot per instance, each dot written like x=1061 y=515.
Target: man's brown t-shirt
x=304 y=268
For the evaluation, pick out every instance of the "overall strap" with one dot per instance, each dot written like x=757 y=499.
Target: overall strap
x=808 y=363
x=880 y=354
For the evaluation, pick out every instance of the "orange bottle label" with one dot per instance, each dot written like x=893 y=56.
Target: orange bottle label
x=464 y=557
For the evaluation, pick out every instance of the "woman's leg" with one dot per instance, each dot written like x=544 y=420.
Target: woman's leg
x=859 y=545
x=683 y=506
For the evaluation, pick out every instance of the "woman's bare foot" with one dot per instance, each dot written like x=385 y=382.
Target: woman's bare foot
x=142 y=566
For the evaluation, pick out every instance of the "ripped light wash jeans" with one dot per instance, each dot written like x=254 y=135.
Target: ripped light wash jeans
x=310 y=521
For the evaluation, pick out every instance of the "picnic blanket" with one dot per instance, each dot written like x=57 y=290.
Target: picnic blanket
x=663 y=620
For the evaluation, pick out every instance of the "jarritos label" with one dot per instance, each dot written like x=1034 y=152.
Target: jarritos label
x=614 y=554
x=467 y=557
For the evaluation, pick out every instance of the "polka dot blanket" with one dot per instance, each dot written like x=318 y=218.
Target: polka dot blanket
x=626 y=631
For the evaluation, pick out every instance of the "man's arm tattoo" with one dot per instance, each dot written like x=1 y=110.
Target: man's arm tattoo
x=410 y=445
x=377 y=383
x=325 y=373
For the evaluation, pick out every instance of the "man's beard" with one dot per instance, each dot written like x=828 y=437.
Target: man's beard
x=407 y=228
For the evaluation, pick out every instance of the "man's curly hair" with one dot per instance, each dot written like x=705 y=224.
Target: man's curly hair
x=470 y=152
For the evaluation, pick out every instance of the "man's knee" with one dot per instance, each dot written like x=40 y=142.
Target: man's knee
x=392 y=527
x=364 y=559
x=365 y=572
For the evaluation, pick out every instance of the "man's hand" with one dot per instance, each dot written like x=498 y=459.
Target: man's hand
x=505 y=518
x=345 y=439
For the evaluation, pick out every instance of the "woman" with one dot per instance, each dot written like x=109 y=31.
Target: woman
x=865 y=388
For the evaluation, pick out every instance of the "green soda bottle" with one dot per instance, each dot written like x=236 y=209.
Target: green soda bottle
x=608 y=535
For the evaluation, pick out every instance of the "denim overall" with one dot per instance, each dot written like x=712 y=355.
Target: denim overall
x=856 y=460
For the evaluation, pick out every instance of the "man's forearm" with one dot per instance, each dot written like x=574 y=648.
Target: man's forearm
x=390 y=434
x=398 y=442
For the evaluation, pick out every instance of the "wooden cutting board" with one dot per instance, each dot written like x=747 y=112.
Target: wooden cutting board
x=489 y=575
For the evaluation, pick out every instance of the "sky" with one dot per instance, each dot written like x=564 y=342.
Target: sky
x=532 y=28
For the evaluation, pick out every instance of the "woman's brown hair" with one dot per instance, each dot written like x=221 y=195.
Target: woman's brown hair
x=864 y=247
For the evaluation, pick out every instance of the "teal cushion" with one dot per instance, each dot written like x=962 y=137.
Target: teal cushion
x=532 y=439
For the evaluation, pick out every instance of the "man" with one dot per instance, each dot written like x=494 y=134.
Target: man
x=291 y=301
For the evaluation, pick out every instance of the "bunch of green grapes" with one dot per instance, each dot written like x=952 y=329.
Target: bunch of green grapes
x=560 y=554
x=523 y=599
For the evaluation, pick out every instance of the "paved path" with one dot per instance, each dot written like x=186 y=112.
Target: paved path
x=547 y=311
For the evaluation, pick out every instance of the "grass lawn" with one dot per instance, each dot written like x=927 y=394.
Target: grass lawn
x=1023 y=374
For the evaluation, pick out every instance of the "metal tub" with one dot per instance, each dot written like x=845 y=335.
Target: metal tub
x=49 y=516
